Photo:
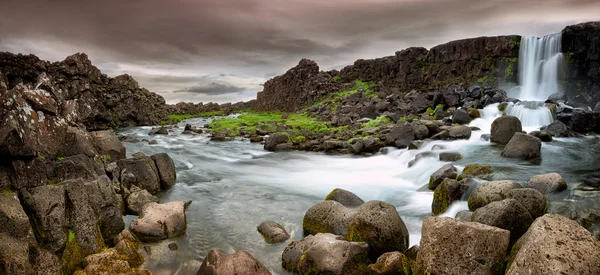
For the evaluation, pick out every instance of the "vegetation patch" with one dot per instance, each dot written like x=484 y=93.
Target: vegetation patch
x=268 y=121
x=376 y=122
x=432 y=112
x=179 y=118
x=337 y=78
x=334 y=99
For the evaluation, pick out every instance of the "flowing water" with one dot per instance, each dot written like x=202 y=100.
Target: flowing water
x=236 y=185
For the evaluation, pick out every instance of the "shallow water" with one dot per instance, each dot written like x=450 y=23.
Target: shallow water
x=236 y=185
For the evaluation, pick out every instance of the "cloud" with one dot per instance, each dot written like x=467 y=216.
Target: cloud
x=213 y=89
x=183 y=40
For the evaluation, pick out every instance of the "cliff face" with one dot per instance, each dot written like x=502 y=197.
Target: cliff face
x=488 y=61
x=581 y=48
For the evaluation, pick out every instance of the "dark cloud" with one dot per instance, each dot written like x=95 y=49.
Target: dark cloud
x=213 y=89
x=169 y=45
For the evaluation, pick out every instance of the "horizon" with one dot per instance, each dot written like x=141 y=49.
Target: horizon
x=223 y=52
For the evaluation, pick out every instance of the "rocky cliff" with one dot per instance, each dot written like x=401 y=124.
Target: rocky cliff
x=581 y=48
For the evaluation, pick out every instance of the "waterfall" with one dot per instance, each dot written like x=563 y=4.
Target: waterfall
x=540 y=60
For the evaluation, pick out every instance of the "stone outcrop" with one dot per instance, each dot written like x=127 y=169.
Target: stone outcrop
x=240 y=262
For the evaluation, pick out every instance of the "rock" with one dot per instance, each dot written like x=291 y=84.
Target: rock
x=443 y=135
x=108 y=262
x=137 y=199
x=129 y=249
x=13 y=219
x=544 y=136
x=446 y=171
x=464 y=216
x=272 y=141
x=450 y=156
x=531 y=199
x=158 y=131
x=474 y=113
x=421 y=131
x=449 y=246
x=559 y=129
x=78 y=141
x=391 y=263
x=45 y=206
x=477 y=171
x=256 y=139
x=555 y=245
x=140 y=172
x=523 y=146
x=160 y=221
x=378 y=224
x=415 y=144
x=327 y=217
x=325 y=253
x=491 y=191
x=459 y=132
x=166 y=170
x=461 y=117
x=503 y=129
x=84 y=223
x=547 y=183
x=445 y=194
x=14 y=256
x=239 y=263
x=153 y=142
x=371 y=145
x=485 y=137
x=401 y=135
x=507 y=214
x=129 y=139
x=126 y=234
x=107 y=143
x=107 y=207
x=346 y=198
x=273 y=232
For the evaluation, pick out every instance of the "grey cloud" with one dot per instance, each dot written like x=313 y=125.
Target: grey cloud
x=213 y=89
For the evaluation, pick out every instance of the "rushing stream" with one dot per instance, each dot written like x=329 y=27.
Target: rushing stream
x=236 y=185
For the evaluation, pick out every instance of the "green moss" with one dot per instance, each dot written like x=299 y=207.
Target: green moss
x=515 y=42
x=376 y=122
x=440 y=199
x=60 y=158
x=433 y=111
x=337 y=78
x=7 y=191
x=179 y=118
x=334 y=99
x=72 y=258
x=477 y=170
x=312 y=228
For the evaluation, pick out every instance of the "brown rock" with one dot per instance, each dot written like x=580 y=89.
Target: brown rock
x=547 y=183
x=239 y=263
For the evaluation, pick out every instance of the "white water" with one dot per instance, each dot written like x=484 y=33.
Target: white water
x=540 y=60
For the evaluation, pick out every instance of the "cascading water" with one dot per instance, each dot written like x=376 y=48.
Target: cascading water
x=540 y=60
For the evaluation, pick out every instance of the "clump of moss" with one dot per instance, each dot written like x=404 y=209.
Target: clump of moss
x=72 y=259
x=376 y=122
x=476 y=170
x=432 y=112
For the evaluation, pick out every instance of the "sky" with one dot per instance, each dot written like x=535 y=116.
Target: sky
x=224 y=50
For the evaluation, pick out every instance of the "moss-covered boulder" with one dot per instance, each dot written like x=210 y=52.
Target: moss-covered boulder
x=491 y=191
x=555 y=244
x=446 y=193
x=273 y=232
x=326 y=253
x=531 y=199
x=446 y=171
x=378 y=224
x=391 y=263
x=327 y=217
x=507 y=214
x=476 y=171
x=240 y=262
x=130 y=251
x=344 y=197
x=108 y=262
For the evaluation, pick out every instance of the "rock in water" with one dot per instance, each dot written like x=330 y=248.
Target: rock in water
x=160 y=221
x=547 y=183
x=503 y=129
x=531 y=199
x=491 y=191
x=238 y=263
x=449 y=246
x=446 y=171
x=507 y=214
x=391 y=263
x=459 y=132
x=272 y=141
x=445 y=194
x=166 y=170
x=344 y=197
x=327 y=217
x=558 y=129
x=137 y=199
x=273 y=232
x=555 y=245
x=325 y=253
x=477 y=171
x=461 y=117
x=523 y=146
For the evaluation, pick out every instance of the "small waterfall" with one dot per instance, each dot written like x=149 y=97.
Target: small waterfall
x=540 y=60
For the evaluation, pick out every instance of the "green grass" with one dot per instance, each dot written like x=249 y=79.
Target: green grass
x=337 y=78
x=179 y=118
x=251 y=121
x=71 y=236
x=60 y=158
x=431 y=111
x=376 y=122
x=7 y=191
x=336 y=98
x=515 y=42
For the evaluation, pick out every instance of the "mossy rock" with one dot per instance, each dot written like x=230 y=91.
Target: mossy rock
x=72 y=259
x=344 y=197
x=129 y=249
x=391 y=263
x=476 y=171
x=473 y=113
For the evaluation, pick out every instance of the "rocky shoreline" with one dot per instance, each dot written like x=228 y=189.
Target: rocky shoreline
x=66 y=182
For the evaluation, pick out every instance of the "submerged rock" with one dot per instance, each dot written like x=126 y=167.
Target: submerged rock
x=166 y=170
x=325 y=253
x=544 y=136
x=449 y=246
x=477 y=171
x=240 y=263
x=555 y=245
x=160 y=221
x=503 y=129
x=273 y=232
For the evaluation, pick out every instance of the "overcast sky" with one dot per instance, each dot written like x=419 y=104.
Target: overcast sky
x=223 y=50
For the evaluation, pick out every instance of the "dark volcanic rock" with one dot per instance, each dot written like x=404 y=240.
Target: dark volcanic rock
x=503 y=129
x=166 y=170
x=523 y=146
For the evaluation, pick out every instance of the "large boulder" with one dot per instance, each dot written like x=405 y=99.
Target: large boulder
x=107 y=143
x=160 y=221
x=558 y=129
x=531 y=199
x=523 y=146
x=503 y=129
x=107 y=207
x=13 y=219
x=327 y=217
x=141 y=172
x=555 y=245
x=325 y=253
x=109 y=261
x=446 y=171
x=401 y=135
x=344 y=197
x=273 y=140
x=166 y=170
x=477 y=171
x=547 y=183
x=391 y=263
x=507 y=214
x=239 y=263
x=491 y=191
x=45 y=206
x=19 y=257
x=378 y=224
x=459 y=132
x=449 y=246
x=273 y=232
x=461 y=116
x=446 y=193
x=137 y=199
